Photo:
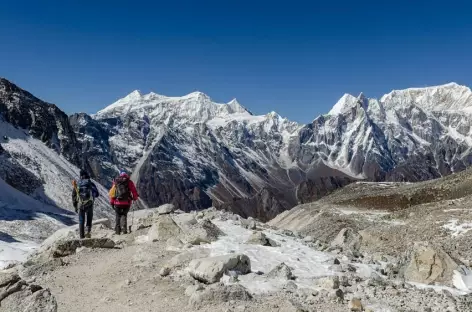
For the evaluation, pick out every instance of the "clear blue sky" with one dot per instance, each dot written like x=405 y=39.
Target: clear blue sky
x=293 y=57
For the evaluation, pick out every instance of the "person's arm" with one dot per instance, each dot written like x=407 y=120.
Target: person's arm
x=133 y=190
x=95 y=192
x=74 y=199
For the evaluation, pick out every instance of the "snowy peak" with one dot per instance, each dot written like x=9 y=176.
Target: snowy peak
x=451 y=96
x=193 y=107
x=347 y=102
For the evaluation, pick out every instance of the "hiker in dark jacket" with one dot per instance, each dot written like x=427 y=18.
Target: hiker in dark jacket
x=83 y=196
x=122 y=193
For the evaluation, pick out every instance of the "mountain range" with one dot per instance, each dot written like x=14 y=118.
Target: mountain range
x=195 y=153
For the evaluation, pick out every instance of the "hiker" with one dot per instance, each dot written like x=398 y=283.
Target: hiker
x=122 y=193
x=83 y=196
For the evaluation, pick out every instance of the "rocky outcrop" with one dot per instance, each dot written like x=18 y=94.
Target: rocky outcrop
x=427 y=264
x=210 y=270
x=69 y=247
x=164 y=229
x=42 y=120
x=259 y=238
x=281 y=271
x=348 y=240
x=17 y=295
x=215 y=294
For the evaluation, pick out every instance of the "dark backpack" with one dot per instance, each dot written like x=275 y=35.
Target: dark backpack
x=84 y=193
x=122 y=191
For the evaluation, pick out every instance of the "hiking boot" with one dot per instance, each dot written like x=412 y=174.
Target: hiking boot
x=88 y=235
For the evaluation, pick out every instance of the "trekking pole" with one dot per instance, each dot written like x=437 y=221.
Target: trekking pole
x=132 y=217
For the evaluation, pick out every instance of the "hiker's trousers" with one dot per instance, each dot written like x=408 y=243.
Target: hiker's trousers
x=121 y=219
x=85 y=214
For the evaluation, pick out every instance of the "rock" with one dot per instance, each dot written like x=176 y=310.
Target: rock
x=259 y=238
x=355 y=305
x=210 y=270
x=281 y=271
x=165 y=271
x=219 y=293
x=308 y=239
x=185 y=220
x=329 y=282
x=248 y=224
x=69 y=247
x=427 y=264
x=8 y=277
x=165 y=209
x=339 y=295
x=336 y=261
x=290 y=286
x=164 y=229
x=348 y=239
x=190 y=290
x=20 y=296
x=202 y=232
x=183 y=259
x=174 y=244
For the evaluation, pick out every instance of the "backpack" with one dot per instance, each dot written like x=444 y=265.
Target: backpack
x=84 y=193
x=122 y=191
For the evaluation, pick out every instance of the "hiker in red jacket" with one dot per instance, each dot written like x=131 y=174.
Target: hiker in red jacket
x=122 y=193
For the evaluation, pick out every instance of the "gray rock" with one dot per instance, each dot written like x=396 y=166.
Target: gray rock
x=259 y=238
x=183 y=259
x=190 y=290
x=174 y=244
x=210 y=270
x=165 y=271
x=165 y=209
x=219 y=293
x=428 y=264
x=348 y=239
x=329 y=282
x=69 y=247
x=164 y=229
x=202 y=232
x=8 y=277
x=281 y=271
x=248 y=224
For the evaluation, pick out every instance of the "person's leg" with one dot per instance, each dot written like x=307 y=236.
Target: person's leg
x=89 y=220
x=81 y=222
x=124 y=219
x=117 y=220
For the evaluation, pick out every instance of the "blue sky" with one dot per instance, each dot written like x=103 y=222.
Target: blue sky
x=294 y=57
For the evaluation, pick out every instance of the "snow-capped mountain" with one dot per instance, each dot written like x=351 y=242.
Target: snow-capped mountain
x=195 y=153
x=37 y=152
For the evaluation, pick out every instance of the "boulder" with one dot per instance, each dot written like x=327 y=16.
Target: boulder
x=185 y=220
x=356 y=305
x=174 y=244
x=201 y=232
x=163 y=229
x=210 y=270
x=348 y=239
x=219 y=293
x=329 y=282
x=8 y=277
x=183 y=259
x=248 y=224
x=281 y=271
x=165 y=209
x=259 y=238
x=427 y=264
x=69 y=247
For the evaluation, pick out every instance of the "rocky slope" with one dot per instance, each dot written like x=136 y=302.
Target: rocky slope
x=218 y=261
x=37 y=156
x=196 y=153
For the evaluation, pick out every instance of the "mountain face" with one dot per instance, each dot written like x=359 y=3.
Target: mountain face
x=196 y=153
x=38 y=158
